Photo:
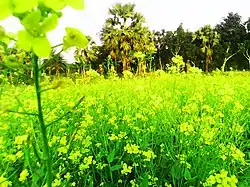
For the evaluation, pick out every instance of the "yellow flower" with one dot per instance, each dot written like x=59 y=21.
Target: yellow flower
x=19 y=140
x=87 y=161
x=149 y=155
x=23 y=175
x=56 y=183
x=167 y=185
x=62 y=150
x=132 y=149
x=4 y=182
x=63 y=140
x=98 y=145
x=113 y=137
x=122 y=135
x=53 y=141
x=19 y=154
x=67 y=176
x=211 y=180
x=187 y=129
x=100 y=166
x=126 y=169
x=74 y=155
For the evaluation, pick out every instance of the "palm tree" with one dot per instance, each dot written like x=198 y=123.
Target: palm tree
x=209 y=38
x=124 y=34
x=86 y=56
x=56 y=63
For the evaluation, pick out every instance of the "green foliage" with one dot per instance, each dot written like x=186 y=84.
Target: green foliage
x=209 y=38
x=177 y=64
x=196 y=126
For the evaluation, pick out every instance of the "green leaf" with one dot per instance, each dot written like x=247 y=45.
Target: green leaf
x=76 y=4
x=2 y=32
x=116 y=167
x=6 y=9
x=12 y=62
x=24 y=40
x=74 y=38
x=41 y=47
x=176 y=171
x=55 y=4
x=49 y=23
x=144 y=180
x=24 y=5
x=187 y=174
x=31 y=21
x=111 y=156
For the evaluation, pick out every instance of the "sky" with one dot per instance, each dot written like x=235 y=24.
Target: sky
x=159 y=14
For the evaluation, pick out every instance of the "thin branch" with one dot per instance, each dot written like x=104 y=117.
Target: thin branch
x=226 y=59
x=57 y=46
x=23 y=113
x=52 y=88
x=67 y=113
x=247 y=54
x=20 y=103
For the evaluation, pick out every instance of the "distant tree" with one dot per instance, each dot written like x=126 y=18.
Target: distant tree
x=124 y=34
x=85 y=57
x=245 y=45
x=208 y=38
x=55 y=64
x=232 y=33
x=162 y=53
x=172 y=43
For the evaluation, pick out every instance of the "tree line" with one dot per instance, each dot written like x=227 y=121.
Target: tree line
x=128 y=45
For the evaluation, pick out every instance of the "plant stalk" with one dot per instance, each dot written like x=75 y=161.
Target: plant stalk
x=46 y=152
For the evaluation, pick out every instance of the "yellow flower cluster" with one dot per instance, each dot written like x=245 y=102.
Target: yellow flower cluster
x=190 y=108
x=187 y=129
x=232 y=151
x=152 y=180
x=74 y=155
x=23 y=175
x=149 y=155
x=121 y=135
x=132 y=149
x=221 y=179
x=135 y=149
x=126 y=169
x=4 y=182
x=20 y=140
x=86 y=163
x=208 y=134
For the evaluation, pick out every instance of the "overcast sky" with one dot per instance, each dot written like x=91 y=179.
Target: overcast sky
x=160 y=14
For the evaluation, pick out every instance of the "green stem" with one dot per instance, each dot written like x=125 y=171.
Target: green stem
x=46 y=152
